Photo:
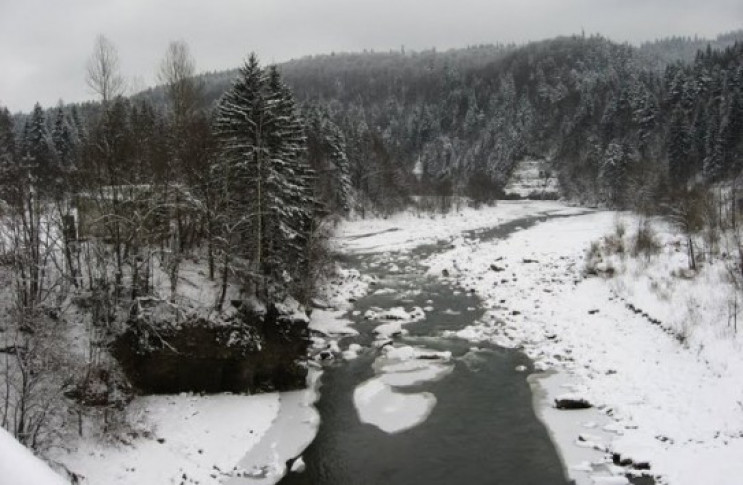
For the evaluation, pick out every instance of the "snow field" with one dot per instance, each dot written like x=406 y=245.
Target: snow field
x=18 y=466
x=407 y=230
x=182 y=439
x=194 y=439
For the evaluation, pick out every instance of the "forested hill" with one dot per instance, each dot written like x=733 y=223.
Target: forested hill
x=599 y=110
x=471 y=114
x=612 y=118
x=660 y=53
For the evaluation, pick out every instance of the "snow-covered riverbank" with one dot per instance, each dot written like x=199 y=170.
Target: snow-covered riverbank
x=180 y=437
x=406 y=230
x=200 y=439
x=657 y=402
x=669 y=407
x=18 y=466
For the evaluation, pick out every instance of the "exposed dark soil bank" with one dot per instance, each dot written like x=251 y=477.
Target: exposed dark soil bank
x=254 y=352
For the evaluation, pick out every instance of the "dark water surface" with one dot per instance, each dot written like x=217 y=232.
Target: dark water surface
x=483 y=429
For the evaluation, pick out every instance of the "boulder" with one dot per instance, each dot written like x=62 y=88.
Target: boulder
x=572 y=402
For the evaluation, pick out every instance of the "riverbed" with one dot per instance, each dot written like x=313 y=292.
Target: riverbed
x=482 y=427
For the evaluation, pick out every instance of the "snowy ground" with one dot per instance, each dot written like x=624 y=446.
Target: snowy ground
x=291 y=432
x=18 y=466
x=407 y=230
x=675 y=406
x=188 y=439
x=176 y=439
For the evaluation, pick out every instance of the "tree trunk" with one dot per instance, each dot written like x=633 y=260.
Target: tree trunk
x=692 y=260
x=223 y=290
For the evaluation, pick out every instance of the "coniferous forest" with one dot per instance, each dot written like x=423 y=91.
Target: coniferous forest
x=606 y=115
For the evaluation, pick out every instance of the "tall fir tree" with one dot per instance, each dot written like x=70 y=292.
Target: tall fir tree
x=327 y=155
x=8 y=160
x=266 y=180
x=679 y=144
x=38 y=151
x=63 y=139
x=614 y=171
x=7 y=137
x=713 y=154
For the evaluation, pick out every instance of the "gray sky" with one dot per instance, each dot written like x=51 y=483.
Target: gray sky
x=44 y=44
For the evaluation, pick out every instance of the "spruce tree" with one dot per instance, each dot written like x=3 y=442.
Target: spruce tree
x=38 y=151
x=7 y=137
x=341 y=174
x=62 y=138
x=327 y=154
x=79 y=131
x=266 y=181
x=714 y=157
x=614 y=173
x=8 y=161
x=679 y=145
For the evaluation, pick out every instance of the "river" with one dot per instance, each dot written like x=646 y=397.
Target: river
x=482 y=430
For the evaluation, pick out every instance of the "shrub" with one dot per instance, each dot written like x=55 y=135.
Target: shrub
x=620 y=229
x=645 y=242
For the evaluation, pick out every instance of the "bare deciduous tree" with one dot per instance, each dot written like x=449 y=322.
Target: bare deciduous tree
x=177 y=71
x=688 y=213
x=102 y=75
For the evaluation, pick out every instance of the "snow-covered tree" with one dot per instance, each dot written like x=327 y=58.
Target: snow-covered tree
x=63 y=139
x=714 y=156
x=268 y=206
x=7 y=137
x=679 y=144
x=38 y=150
x=327 y=155
x=613 y=173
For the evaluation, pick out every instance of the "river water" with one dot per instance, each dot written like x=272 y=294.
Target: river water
x=482 y=430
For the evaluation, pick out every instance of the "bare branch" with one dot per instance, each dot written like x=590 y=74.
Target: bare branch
x=103 y=75
x=177 y=70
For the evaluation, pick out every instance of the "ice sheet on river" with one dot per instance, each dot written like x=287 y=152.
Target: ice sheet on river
x=378 y=400
x=395 y=317
x=293 y=430
x=389 y=410
x=331 y=322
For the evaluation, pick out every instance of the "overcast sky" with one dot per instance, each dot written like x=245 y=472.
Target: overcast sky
x=44 y=44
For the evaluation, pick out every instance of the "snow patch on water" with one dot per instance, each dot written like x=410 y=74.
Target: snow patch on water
x=331 y=322
x=391 y=411
x=378 y=400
